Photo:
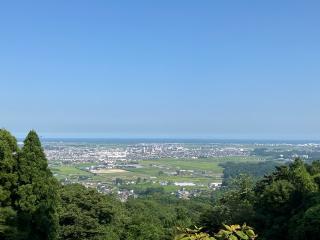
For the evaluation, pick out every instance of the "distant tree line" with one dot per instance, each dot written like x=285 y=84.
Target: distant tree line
x=285 y=154
x=258 y=170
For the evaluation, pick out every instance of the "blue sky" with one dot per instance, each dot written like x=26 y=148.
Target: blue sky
x=199 y=69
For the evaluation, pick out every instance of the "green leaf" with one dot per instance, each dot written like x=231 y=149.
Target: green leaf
x=233 y=237
x=242 y=235
x=250 y=233
x=227 y=227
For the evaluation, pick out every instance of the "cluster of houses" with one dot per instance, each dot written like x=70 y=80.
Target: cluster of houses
x=187 y=194
x=124 y=195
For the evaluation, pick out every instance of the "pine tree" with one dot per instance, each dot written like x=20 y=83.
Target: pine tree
x=37 y=193
x=8 y=184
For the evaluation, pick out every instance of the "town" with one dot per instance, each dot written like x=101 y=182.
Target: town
x=182 y=169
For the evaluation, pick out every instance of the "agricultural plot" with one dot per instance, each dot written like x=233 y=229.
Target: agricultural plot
x=167 y=173
x=69 y=171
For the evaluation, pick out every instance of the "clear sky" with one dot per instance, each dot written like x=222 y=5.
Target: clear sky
x=162 y=68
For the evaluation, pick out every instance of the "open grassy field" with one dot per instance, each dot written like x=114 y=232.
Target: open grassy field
x=185 y=164
x=107 y=171
x=152 y=167
x=69 y=170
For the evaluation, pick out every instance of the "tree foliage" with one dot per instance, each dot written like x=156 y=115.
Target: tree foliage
x=229 y=232
x=282 y=198
x=232 y=170
x=235 y=204
x=86 y=214
x=8 y=184
x=283 y=205
x=37 y=193
x=28 y=195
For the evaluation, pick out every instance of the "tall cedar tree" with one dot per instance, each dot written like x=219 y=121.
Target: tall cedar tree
x=37 y=193
x=8 y=184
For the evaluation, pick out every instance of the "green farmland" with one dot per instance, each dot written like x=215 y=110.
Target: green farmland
x=153 y=173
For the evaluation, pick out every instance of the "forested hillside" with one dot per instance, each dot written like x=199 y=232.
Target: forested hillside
x=284 y=204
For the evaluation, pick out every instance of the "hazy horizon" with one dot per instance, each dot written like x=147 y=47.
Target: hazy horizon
x=21 y=136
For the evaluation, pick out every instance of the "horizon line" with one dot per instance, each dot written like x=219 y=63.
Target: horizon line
x=179 y=139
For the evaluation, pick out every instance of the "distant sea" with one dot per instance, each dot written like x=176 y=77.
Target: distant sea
x=167 y=140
